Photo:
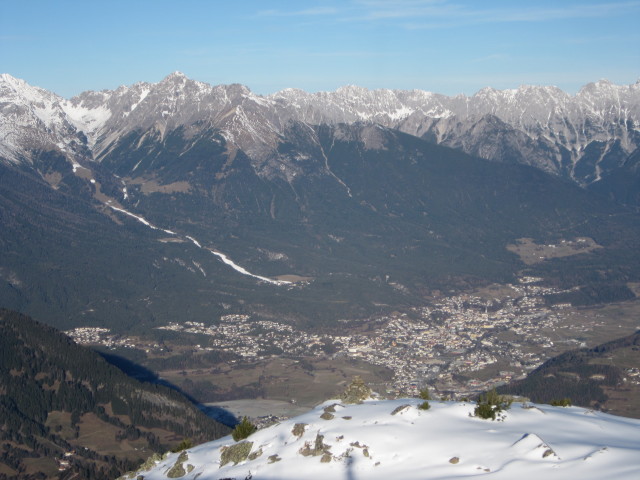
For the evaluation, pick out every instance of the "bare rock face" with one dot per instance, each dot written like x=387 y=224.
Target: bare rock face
x=318 y=448
x=235 y=453
x=178 y=470
x=298 y=429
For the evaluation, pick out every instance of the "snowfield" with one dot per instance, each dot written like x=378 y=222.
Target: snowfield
x=393 y=439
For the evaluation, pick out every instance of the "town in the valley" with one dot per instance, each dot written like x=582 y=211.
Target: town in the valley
x=459 y=345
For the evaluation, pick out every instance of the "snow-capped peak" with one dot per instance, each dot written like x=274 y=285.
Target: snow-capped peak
x=602 y=112
x=177 y=75
x=31 y=118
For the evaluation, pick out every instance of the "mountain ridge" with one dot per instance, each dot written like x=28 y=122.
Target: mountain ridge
x=601 y=120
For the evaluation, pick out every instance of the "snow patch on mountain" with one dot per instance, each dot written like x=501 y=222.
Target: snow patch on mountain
x=226 y=260
x=87 y=120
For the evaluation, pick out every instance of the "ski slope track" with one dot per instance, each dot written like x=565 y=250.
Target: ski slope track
x=226 y=260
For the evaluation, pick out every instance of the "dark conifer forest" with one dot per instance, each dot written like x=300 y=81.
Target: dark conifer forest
x=53 y=392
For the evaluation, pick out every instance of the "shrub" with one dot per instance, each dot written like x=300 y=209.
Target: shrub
x=356 y=392
x=424 y=393
x=563 y=402
x=183 y=445
x=243 y=429
x=486 y=411
x=490 y=404
x=424 y=406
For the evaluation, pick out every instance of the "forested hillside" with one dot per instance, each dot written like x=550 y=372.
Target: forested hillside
x=605 y=376
x=65 y=410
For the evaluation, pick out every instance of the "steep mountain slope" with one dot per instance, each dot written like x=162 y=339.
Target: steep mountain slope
x=63 y=407
x=33 y=120
x=395 y=439
x=581 y=137
x=182 y=197
x=70 y=259
x=362 y=199
x=622 y=184
x=372 y=215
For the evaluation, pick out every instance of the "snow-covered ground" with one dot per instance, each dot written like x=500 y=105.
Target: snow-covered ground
x=384 y=440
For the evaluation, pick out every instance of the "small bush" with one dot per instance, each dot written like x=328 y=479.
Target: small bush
x=490 y=404
x=563 y=402
x=424 y=406
x=183 y=445
x=424 y=393
x=486 y=411
x=356 y=392
x=243 y=429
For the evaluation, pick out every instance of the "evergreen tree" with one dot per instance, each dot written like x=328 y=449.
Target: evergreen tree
x=243 y=429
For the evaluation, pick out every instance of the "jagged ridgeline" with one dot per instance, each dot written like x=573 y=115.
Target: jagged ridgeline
x=59 y=398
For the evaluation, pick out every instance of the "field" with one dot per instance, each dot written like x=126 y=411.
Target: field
x=531 y=252
x=306 y=382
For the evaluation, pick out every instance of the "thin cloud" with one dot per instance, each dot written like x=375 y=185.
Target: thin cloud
x=621 y=37
x=309 y=12
x=380 y=10
x=574 y=11
x=445 y=13
x=491 y=58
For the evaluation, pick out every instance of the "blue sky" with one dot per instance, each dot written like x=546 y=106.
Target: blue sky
x=445 y=46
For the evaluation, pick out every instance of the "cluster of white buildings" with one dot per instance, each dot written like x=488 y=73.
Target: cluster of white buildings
x=441 y=344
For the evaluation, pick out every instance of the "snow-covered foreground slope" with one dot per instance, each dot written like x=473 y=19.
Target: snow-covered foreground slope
x=396 y=440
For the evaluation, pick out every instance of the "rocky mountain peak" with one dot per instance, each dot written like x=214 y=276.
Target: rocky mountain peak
x=540 y=125
x=176 y=76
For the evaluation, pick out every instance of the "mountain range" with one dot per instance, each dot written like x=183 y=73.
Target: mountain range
x=584 y=137
x=155 y=201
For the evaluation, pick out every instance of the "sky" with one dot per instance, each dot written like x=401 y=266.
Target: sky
x=443 y=46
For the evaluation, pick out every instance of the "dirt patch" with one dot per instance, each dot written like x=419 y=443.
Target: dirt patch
x=53 y=179
x=635 y=288
x=5 y=470
x=531 y=252
x=148 y=186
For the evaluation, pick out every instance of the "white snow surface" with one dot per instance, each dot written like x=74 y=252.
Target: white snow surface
x=244 y=271
x=445 y=442
x=226 y=260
